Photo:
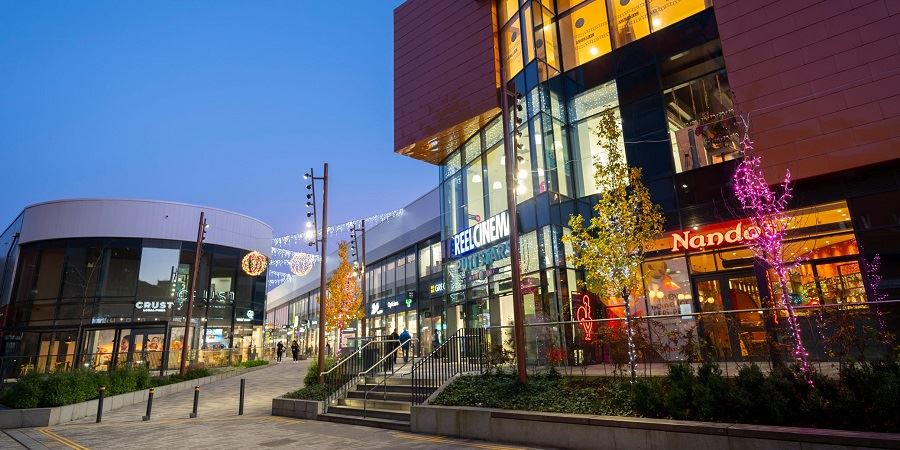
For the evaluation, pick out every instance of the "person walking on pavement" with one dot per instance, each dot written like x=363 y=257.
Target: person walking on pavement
x=404 y=341
x=279 y=350
x=394 y=337
x=295 y=350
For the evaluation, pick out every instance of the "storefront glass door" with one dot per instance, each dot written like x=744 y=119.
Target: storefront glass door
x=739 y=334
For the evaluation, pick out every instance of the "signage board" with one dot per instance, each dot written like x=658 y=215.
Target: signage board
x=480 y=235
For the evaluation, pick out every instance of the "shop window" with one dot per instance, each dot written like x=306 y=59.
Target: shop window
x=524 y=188
x=545 y=47
x=474 y=194
x=528 y=249
x=454 y=205
x=120 y=271
x=528 y=24
x=584 y=33
x=588 y=150
x=158 y=273
x=667 y=12
x=49 y=273
x=507 y=9
x=496 y=180
x=82 y=271
x=702 y=124
x=557 y=154
x=629 y=21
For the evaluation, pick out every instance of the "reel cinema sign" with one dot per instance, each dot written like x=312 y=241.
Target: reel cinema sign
x=480 y=235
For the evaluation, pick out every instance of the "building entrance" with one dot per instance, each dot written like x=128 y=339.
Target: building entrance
x=734 y=325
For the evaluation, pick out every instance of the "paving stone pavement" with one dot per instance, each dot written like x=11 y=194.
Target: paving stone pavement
x=218 y=424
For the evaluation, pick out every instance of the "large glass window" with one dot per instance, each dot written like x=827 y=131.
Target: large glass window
x=496 y=180
x=629 y=20
x=512 y=48
x=666 y=12
x=120 y=271
x=82 y=271
x=454 y=205
x=584 y=34
x=49 y=273
x=158 y=272
x=586 y=111
x=474 y=193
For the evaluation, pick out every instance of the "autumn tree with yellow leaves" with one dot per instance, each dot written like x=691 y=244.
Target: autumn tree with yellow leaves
x=343 y=303
x=610 y=247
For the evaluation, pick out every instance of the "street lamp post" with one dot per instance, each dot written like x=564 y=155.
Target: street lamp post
x=311 y=203
x=509 y=147
x=186 y=343
x=359 y=251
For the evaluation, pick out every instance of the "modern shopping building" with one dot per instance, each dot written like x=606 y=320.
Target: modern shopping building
x=404 y=285
x=101 y=283
x=819 y=82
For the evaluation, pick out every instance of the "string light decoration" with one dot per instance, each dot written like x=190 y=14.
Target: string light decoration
x=301 y=263
x=338 y=229
x=254 y=263
x=767 y=210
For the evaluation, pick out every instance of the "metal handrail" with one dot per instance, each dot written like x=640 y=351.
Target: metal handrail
x=341 y=362
x=446 y=370
x=391 y=354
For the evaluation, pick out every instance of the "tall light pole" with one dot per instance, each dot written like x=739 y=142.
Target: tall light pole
x=510 y=146
x=195 y=271
x=358 y=247
x=311 y=203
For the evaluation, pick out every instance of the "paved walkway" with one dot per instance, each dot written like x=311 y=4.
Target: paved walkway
x=218 y=424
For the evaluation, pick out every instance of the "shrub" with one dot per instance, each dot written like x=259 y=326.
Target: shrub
x=310 y=392
x=26 y=393
x=312 y=376
x=253 y=363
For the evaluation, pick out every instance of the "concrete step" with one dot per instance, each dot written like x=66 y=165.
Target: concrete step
x=387 y=405
x=392 y=380
x=398 y=388
x=399 y=425
x=402 y=416
x=379 y=394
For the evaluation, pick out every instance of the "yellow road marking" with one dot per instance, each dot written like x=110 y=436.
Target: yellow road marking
x=67 y=442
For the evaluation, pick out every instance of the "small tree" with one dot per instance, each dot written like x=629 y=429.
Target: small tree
x=344 y=303
x=767 y=210
x=610 y=248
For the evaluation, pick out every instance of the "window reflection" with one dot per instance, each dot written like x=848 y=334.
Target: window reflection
x=584 y=34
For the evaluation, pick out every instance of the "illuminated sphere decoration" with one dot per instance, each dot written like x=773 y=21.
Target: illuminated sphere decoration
x=301 y=263
x=254 y=263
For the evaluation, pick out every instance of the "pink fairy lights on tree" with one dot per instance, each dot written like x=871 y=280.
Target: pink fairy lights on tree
x=766 y=209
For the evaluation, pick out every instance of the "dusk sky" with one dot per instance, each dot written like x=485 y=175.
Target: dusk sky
x=222 y=104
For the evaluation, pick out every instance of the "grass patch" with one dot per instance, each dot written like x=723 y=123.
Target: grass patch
x=253 y=363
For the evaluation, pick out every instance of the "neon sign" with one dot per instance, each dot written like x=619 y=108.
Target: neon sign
x=693 y=240
x=583 y=315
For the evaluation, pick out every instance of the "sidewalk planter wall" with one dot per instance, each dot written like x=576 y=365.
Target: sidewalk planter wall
x=298 y=409
x=620 y=433
x=43 y=417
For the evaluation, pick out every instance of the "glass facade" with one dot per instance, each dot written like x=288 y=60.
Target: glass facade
x=670 y=95
x=100 y=302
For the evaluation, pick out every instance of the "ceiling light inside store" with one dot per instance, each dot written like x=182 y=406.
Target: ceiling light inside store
x=594 y=50
x=520 y=190
x=476 y=178
x=523 y=173
x=502 y=160
x=656 y=22
x=497 y=185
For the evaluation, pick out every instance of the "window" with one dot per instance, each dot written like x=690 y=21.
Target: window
x=512 y=48
x=158 y=272
x=120 y=271
x=454 y=205
x=474 y=193
x=584 y=33
x=496 y=180
x=629 y=21
x=524 y=188
x=702 y=125
x=585 y=111
x=49 y=273
x=666 y=12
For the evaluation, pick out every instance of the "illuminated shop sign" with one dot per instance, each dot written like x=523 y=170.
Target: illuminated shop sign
x=375 y=309
x=393 y=304
x=583 y=315
x=480 y=235
x=153 y=306
x=714 y=236
x=436 y=288
x=484 y=258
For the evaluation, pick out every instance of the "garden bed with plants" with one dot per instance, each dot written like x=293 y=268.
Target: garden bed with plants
x=311 y=389
x=865 y=397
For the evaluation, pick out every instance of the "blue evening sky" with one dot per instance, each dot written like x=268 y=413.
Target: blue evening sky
x=219 y=103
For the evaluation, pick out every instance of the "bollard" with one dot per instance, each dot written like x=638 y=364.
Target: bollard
x=100 y=403
x=241 y=405
x=149 y=405
x=196 y=402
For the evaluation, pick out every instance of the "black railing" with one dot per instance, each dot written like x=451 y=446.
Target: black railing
x=464 y=352
x=387 y=365
x=344 y=375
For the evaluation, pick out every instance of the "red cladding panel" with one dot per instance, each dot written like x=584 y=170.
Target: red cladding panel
x=820 y=80
x=446 y=71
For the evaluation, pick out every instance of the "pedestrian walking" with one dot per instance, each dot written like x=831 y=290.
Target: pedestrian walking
x=393 y=337
x=279 y=350
x=404 y=341
x=295 y=350
x=328 y=349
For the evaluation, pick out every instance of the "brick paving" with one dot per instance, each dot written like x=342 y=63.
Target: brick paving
x=218 y=424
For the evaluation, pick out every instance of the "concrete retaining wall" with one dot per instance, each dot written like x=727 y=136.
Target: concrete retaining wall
x=626 y=433
x=298 y=409
x=42 y=417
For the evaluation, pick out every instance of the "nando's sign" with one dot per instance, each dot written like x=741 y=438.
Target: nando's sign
x=727 y=233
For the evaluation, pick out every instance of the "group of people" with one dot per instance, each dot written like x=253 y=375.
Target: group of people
x=295 y=350
x=402 y=340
